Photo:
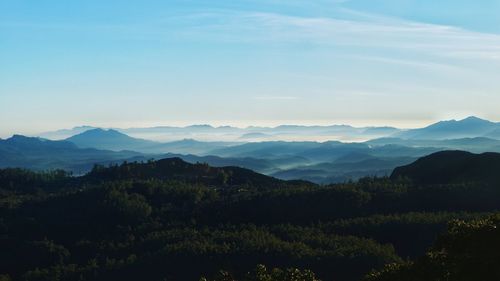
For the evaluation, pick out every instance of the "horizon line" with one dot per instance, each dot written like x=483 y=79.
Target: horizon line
x=271 y=124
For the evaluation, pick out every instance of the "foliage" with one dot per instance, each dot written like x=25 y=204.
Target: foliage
x=468 y=251
x=169 y=220
x=261 y=273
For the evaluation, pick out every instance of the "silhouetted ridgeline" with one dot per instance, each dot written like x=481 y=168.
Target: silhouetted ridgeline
x=175 y=169
x=171 y=220
x=453 y=167
x=40 y=154
x=320 y=162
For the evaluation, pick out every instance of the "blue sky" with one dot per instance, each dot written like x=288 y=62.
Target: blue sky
x=144 y=63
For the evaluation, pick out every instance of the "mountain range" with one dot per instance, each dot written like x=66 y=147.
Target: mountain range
x=320 y=162
x=234 y=134
x=470 y=127
x=40 y=154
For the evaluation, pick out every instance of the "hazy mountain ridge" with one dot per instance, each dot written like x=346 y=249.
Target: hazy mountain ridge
x=109 y=140
x=322 y=162
x=470 y=127
x=65 y=133
x=41 y=154
x=116 y=141
x=233 y=134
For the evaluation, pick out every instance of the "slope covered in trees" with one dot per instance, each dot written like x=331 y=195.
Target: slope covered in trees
x=170 y=220
x=467 y=251
x=453 y=167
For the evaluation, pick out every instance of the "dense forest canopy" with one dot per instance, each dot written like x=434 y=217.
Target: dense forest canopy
x=171 y=220
x=468 y=251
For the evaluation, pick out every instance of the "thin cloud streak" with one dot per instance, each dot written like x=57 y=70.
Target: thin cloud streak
x=258 y=27
x=362 y=30
x=277 y=98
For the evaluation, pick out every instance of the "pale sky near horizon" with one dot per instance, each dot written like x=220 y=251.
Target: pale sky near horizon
x=116 y=63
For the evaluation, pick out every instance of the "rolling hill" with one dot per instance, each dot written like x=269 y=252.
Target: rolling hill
x=151 y=220
x=175 y=169
x=453 y=167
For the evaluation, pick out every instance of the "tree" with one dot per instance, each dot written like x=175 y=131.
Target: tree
x=262 y=274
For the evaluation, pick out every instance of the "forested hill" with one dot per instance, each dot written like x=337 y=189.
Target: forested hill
x=468 y=251
x=453 y=167
x=170 y=220
x=175 y=169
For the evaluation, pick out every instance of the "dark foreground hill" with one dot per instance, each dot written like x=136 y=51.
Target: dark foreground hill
x=468 y=251
x=170 y=220
x=453 y=167
x=175 y=169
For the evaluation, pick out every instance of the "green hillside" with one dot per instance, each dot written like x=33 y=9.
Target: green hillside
x=171 y=220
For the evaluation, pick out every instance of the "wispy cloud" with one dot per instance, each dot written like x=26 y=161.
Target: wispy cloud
x=362 y=30
x=276 y=98
x=344 y=28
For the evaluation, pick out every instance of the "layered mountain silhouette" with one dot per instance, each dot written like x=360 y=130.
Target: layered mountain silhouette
x=234 y=134
x=65 y=133
x=321 y=162
x=477 y=144
x=41 y=154
x=453 y=167
x=470 y=127
x=117 y=141
x=109 y=140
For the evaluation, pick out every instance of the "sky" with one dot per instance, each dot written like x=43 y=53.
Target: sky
x=141 y=63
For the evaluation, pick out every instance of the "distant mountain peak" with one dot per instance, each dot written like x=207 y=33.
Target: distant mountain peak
x=102 y=131
x=26 y=139
x=200 y=126
x=33 y=142
x=108 y=139
x=469 y=127
x=474 y=119
x=17 y=137
x=99 y=132
x=470 y=119
x=84 y=127
x=65 y=133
